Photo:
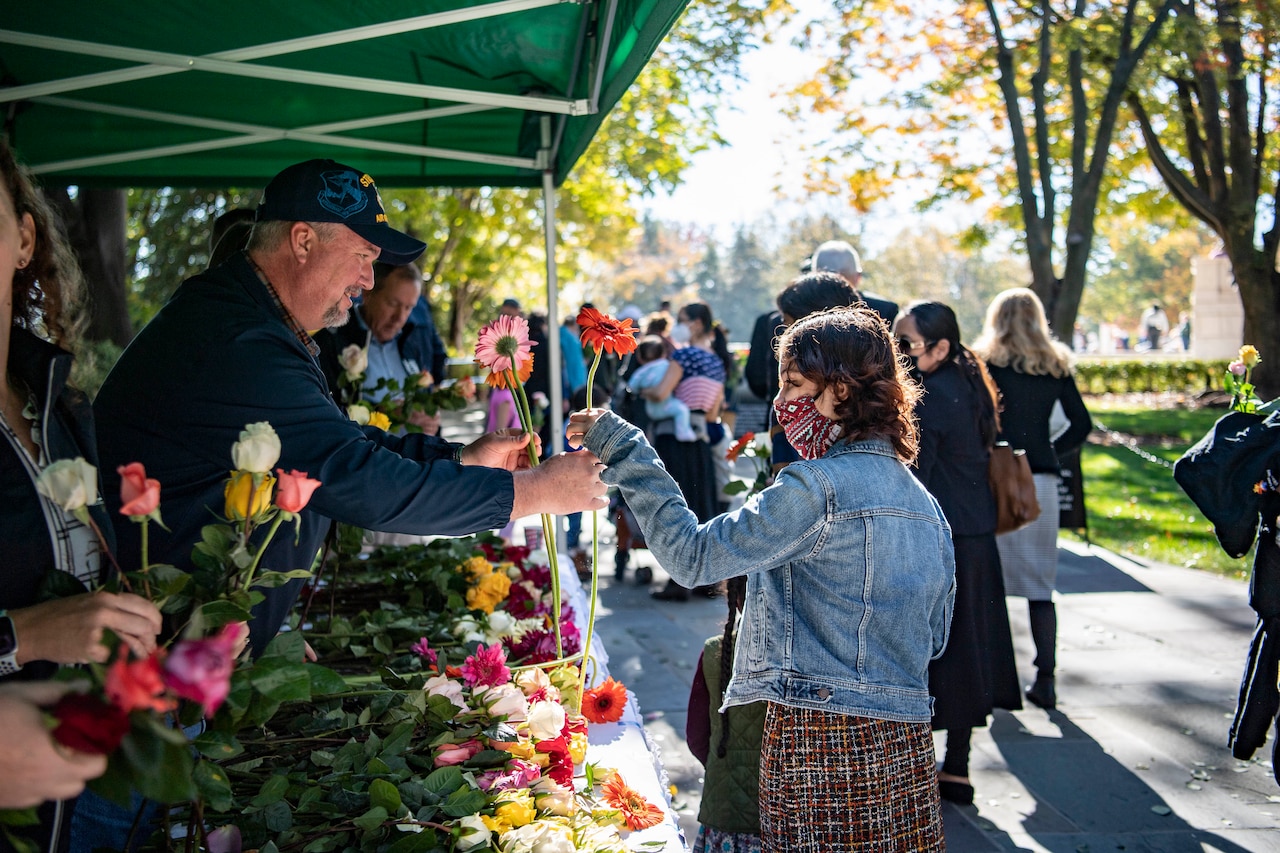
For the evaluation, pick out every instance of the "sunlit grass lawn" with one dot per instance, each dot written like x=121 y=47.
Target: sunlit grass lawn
x=1133 y=505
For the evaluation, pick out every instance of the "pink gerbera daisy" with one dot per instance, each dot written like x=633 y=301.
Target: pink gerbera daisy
x=487 y=667
x=504 y=345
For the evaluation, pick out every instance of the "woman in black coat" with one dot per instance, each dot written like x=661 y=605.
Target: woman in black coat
x=958 y=425
x=1033 y=372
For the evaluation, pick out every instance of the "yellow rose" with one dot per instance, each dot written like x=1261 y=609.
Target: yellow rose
x=476 y=567
x=240 y=486
x=578 y=747
x=516 y=808
x=496 y=826
x=1249 y=355
x=379 y=420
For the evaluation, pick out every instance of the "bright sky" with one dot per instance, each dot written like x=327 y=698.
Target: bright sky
x=730 y=186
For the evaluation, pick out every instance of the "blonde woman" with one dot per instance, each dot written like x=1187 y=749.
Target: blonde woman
x=1033 y=371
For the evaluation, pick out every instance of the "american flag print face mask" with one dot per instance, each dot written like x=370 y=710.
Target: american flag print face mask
x=809 y=431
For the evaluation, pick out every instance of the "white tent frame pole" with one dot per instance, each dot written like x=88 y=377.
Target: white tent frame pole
x=250 y=134
x=159 y=62
x=554 y=353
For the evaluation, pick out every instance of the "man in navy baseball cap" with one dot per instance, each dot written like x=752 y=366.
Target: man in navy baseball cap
x=327 y=191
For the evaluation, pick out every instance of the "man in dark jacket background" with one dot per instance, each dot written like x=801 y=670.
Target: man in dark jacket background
x=393 y=322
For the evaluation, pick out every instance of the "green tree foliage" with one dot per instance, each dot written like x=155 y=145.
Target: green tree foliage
x=1140 y=263
x=1208 y=118
x=749 y=289
x=929 y=264
x=168 y=235
x=1040 y=85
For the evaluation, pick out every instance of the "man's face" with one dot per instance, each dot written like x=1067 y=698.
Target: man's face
x=386 y=310
x=334 y=273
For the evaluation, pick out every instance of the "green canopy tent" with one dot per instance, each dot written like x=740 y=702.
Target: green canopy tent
x=416 y=92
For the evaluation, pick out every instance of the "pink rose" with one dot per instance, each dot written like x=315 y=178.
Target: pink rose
x=456 y=753
x=200 y=670
x=294 y=490
x=1236 y=367
x=138 y=495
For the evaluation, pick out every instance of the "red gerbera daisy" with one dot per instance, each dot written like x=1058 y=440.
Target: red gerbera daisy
x=738 y=446
x=605 y=702
x=606 y=334
x=637 y=812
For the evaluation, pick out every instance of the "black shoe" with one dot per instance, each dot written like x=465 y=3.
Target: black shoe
x=956 y=792
x=711 y=590
x=1042 y=694
x=671 y=593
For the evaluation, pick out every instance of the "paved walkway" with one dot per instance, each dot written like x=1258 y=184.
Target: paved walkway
x=1134 y=759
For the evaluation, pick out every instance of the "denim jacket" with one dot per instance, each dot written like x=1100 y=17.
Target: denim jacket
x=849 y=565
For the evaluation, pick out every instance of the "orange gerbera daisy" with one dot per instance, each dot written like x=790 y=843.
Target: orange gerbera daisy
x=606 y=334
x=738 y=446
x=502 y=378
x=605 y=702
x=637 y=812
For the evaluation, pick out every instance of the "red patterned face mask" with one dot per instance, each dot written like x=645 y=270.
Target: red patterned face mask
x=809 y=431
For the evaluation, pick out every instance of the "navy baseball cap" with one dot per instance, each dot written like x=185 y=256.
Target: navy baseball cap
x=327 y=191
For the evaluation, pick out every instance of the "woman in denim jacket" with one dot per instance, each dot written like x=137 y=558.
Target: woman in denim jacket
x=850 y=583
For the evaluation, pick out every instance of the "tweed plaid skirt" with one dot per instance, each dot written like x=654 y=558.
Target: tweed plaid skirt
x=833 y=782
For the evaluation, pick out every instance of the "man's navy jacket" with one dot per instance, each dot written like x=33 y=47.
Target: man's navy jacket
x=219 y=356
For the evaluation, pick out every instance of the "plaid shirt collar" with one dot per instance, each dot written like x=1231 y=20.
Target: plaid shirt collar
x=300 y=333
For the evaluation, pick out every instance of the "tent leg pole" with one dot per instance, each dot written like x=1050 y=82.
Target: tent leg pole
x=553 y=320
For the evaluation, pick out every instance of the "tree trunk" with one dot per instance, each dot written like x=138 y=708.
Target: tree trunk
x=1260 y=295
x=95 y=223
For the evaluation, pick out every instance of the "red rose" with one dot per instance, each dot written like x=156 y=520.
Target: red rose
x=87 y=724
x=138 y=495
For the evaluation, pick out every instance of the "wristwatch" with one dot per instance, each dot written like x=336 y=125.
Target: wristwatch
x=8 y=646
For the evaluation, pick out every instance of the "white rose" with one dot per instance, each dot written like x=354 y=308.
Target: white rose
x=442 y=685
x=358 y=413
x=468 y=630
x=475 y=833
x=553 y=797
x=546 y=720
x=538 y=558
x=501 y=624
x=530 y=681
x=258 y=449
x=354 y=360
x=764 y=438
x=541 y=836
x=505 y=700
x=70 y=483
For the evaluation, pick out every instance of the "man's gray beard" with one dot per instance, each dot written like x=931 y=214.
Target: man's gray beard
x=334 y=318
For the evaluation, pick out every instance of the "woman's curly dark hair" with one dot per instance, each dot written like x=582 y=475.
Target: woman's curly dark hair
x=48 y=291
x=852 y=347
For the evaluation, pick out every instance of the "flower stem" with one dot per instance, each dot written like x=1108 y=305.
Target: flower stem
x=595 y=555
x=548 y=528
x=257 y=558
x=146 y=560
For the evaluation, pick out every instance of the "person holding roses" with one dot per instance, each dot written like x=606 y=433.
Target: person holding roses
x=49 y=552
x=393 y=328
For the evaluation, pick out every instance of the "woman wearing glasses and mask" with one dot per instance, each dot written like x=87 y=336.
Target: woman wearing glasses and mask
x=958 y=425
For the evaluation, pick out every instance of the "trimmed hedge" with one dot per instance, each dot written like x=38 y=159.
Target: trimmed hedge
x=1131 y=375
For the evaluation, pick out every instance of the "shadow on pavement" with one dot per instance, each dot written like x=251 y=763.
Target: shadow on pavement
x=1078 y=573
x=1065 y=775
